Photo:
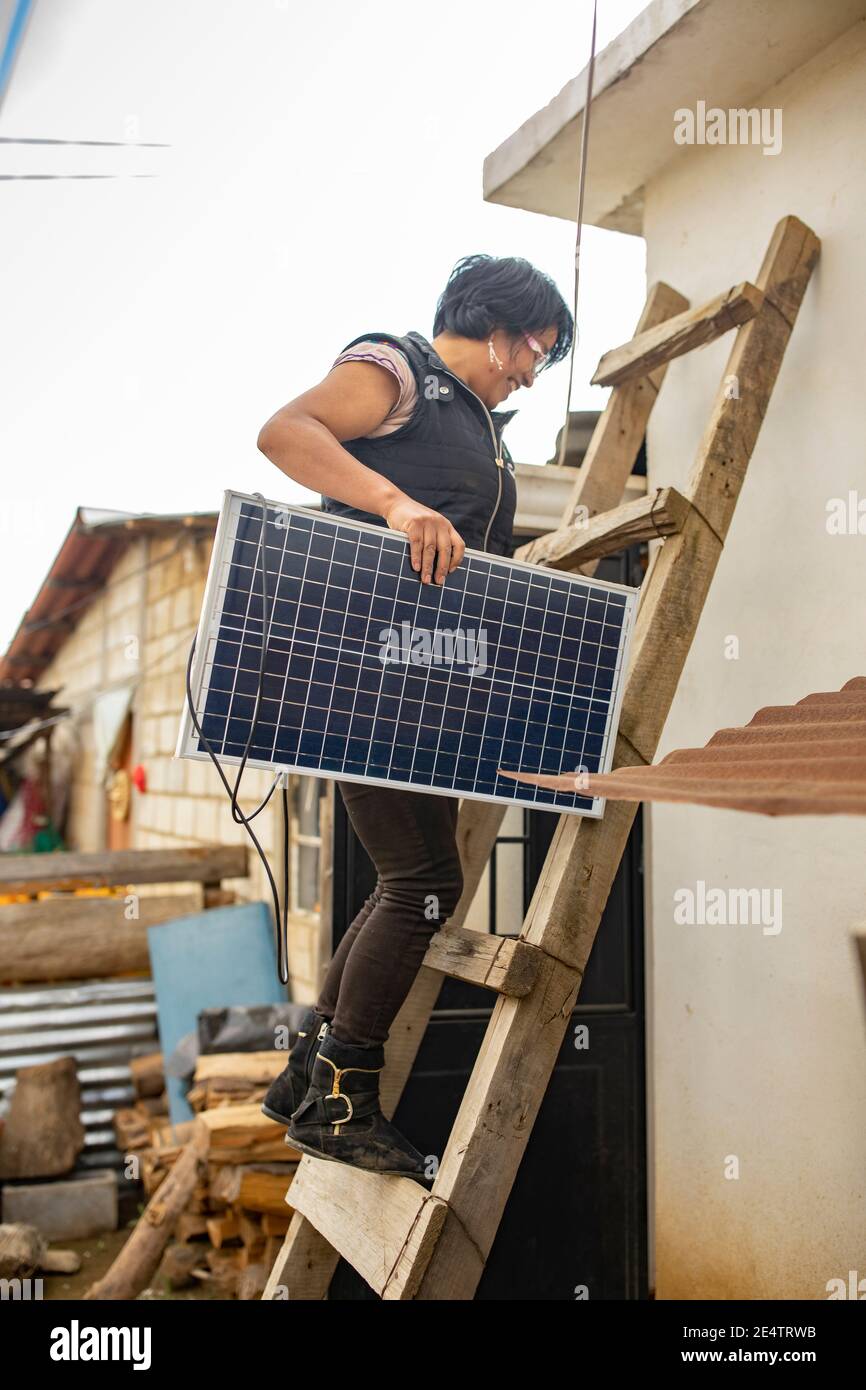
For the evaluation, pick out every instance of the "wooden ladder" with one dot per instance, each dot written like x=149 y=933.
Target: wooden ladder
x=408 y=1241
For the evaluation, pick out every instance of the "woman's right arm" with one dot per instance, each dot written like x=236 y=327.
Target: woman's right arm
x=303 y=440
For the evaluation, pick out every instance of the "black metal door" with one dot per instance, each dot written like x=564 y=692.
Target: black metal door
x=575 y=1224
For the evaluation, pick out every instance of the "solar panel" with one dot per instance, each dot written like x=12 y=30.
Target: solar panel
x=371 y=676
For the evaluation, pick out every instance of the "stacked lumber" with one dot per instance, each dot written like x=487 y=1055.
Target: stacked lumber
x=135 y=1126
x=234 y=1217
x=233 y=1078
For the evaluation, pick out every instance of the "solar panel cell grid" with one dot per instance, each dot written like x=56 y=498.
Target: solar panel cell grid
x=373 y=676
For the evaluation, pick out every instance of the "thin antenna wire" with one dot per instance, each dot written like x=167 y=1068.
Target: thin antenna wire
x=581 y=183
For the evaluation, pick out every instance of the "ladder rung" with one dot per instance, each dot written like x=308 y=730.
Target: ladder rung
x=385 y=1227
x=661 y=513
x=501 y=963
x=670 y=339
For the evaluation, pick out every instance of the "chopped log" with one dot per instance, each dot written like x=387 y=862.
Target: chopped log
x=255 y=1068
x=178 y=1263
x=225 y=1267
x=692 y=329
x=259 y=1188
x=148 y=1075
x=234 y=1078
x=60 y=1262
x=174 y=1136
x=152 y=1108
x=242 y=1134
x=79 y=938
x=189 y=1225
x=131 y=1131
x=139 y=1258
x=249 y=1229
x=221 y=1229
x=43 y=1134
x=68 y=870
x=253 y=1254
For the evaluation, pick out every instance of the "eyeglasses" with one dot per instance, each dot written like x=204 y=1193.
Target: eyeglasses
x=541 y=355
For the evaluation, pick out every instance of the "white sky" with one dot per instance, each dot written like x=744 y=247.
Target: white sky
x=322 y=177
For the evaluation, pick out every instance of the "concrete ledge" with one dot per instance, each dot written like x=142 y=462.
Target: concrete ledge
x=69 y=1209
x=675 y=53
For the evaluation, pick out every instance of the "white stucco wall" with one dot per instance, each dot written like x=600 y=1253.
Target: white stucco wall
x=758 y=1042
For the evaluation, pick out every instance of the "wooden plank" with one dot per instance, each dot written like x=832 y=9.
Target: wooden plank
x=254 y=1188
x=242 y=1134
x=304 y=1266
x=254 y=1067
x=386 y=1227
x=222 y=1228
x=660 y=513
x=80 y=938
x=480 y=958
x=692 y=329
x=69 y=869
x=619 y=433
x=513 y=1066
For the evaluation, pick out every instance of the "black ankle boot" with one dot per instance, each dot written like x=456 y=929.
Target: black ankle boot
x=287 y=1090
x=340 y=1117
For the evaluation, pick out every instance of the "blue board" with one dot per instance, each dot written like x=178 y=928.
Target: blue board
x=209 y=961
x=372 y=676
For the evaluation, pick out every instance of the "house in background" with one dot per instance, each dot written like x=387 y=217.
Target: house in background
x=756 y=1076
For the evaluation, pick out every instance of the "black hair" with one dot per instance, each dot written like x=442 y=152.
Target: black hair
x=486 y=292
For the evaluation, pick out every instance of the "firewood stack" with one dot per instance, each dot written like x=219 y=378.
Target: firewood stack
x=233 y=1223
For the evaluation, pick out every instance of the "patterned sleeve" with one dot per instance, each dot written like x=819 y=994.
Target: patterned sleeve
x=397 y=363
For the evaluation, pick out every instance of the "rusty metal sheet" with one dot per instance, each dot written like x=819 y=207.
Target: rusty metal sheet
x=802 y=759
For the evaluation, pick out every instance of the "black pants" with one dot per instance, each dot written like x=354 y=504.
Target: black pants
x=411 y=838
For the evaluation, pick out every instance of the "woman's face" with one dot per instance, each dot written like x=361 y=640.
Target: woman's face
x=513 y=362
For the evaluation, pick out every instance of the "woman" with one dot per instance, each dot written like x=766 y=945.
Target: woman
x=401 y=433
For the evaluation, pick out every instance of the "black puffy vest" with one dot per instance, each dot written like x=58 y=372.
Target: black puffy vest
x=445 y=456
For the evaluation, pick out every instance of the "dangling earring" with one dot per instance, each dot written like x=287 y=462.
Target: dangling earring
x=492 y=351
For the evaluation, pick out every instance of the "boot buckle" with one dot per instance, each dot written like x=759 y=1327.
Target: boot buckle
x=343 y=1119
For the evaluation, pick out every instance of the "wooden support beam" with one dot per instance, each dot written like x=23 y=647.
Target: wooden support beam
x=617 y=437
x=67 y=870
x=500 y=963
x=660 y=513
x=692 y=329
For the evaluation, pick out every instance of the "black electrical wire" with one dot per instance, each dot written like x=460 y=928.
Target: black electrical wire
x=281 y=915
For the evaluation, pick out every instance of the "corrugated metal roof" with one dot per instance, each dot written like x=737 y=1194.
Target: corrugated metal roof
x=92 y=546
x=802 y=759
